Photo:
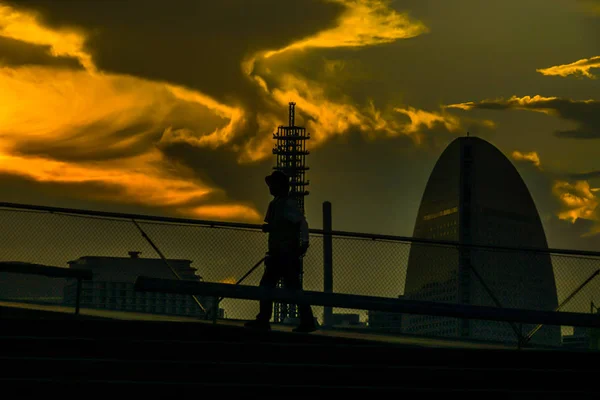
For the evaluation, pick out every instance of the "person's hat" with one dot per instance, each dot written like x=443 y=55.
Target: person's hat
x=277 y=177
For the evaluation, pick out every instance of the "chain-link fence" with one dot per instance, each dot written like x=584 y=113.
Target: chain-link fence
x=485 y=276
x=362 y=265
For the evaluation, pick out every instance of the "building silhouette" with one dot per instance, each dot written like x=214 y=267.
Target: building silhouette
x=112 y=286
x=476 y=196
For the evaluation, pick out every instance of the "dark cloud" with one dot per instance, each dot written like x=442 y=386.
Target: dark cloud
x=571 y=235
x=581 y=234
x=342 y=171
x=578 y=134
x=585 y=175
x=375 y=185
x=539 y=182
x=194 y=43
x=88 y=196
x=97 y=147
x=19 y=189
x=585 y=113
x=15 y=53
x=379 y=196
x=219 y=168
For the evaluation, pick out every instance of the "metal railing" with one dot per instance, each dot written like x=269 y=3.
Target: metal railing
x=149 y=284
x=51 y=272
x=338 y=262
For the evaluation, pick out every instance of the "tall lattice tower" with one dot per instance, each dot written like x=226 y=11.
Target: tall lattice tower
x=290 y=151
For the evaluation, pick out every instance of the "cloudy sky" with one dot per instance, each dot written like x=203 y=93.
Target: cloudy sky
x=169 y=107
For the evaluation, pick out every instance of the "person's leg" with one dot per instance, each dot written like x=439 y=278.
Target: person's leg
x=292 y=282
x=271 y=276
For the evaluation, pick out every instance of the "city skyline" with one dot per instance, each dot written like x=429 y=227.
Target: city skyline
x=170 y=109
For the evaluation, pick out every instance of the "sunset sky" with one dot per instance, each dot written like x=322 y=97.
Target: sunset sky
x=168 y=108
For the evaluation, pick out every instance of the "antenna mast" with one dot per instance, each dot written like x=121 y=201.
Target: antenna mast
x=290 y=152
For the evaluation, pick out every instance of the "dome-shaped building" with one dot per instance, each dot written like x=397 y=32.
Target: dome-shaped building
x=476 y=196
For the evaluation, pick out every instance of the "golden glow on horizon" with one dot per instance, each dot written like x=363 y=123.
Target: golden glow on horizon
x=226 y=211
x=579 y=68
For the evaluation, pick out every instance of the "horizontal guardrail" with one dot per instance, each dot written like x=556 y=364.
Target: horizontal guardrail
x=340 y=300
x=45 y=270
x=49 y=271
x=340 y=234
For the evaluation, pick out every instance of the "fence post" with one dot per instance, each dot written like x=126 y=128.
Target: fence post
x=78 y=296
x=215 y=309
x=327 y=260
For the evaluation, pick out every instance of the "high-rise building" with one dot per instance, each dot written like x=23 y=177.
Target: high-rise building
x=475 y=196
x=112 y=286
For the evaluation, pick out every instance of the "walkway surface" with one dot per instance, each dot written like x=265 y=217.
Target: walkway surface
x=363 y=334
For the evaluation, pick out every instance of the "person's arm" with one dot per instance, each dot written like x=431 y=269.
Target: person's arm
x=267 y=220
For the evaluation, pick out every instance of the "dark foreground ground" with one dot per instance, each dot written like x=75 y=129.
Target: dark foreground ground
x=88 y=355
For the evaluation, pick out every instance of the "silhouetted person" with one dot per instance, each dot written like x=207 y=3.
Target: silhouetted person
x=288 y=242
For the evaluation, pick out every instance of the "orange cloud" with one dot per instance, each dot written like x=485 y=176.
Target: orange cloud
x=363 y=23
x=421 y=120
x=143 y=182
x=578 y=200
x=327 y=117
x=27 y=28
x=86 y=126
x=531 y=103
x=90 y=126
x=579 y=68
x=584 y=113
x=531 y=157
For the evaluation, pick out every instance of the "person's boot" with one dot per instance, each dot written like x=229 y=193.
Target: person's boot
x=258 y=325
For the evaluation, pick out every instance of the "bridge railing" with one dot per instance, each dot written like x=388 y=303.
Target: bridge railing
x=361 y=264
